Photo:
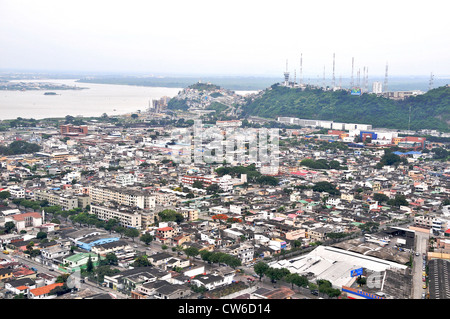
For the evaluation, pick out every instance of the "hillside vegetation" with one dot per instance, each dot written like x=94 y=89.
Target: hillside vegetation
x=428 y=111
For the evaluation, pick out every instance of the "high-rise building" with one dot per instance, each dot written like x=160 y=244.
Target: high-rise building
x=377 y=87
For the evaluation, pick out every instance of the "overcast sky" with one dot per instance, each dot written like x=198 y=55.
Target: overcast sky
x=226 y=37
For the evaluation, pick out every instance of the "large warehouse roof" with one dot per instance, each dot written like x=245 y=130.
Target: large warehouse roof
x=334 y=264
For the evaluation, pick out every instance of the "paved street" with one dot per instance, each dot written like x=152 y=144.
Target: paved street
x=421 y=246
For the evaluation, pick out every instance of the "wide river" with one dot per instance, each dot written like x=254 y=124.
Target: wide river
x=93 y=101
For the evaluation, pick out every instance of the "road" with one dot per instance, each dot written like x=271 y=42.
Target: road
x=421 y=247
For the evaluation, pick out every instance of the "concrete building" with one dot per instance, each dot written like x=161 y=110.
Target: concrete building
x=127 y=217
x=25 y=221
x=67 y=202
x=70 y=129
x=377 y=87
x=121 y=196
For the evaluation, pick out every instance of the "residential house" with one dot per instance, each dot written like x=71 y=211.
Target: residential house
x=212 y=281
x=43 y=292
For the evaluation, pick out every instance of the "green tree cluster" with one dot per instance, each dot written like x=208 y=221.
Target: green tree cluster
x=428 y=111
x=391 y=159
x=220 y=257
x=171 y=215
x=321 y=164
x=19 y=147
x=326 y=187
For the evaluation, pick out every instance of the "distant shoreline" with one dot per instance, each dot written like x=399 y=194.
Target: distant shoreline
x=252 y=83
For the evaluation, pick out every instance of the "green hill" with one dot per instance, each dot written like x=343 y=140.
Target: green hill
x=428 y=111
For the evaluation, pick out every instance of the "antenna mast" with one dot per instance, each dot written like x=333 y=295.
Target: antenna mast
x=431 y=81
x=301 y=69
x=334 y=79
x=386 y=79
x=353 y=63
x=286 y=75
x=358 y=76
x=364 y=80
x=367 y=78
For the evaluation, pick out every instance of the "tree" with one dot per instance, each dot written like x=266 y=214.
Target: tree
x=197 y=184
x=9 y=227
x=132 y=233
x=89 y=265
x=260 y=269
x=41 y=235
x=191 y=251
x=326 y=187
x=111 y=259
x=146 y=238
x=62 y=278
x=141 y=261
x=399 y=200
x=171 y=215
x=213 y=189
x=369 y=227
x=60 y=290
x=440 y=153
x=296 y=279
x=380 y=197
x=276 y=273
x=5 y=195
x=110 y=224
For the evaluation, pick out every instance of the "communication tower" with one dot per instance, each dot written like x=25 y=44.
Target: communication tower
x=301 y=69
x=431 y=81
x=286 y=75
x=367 y=78
x=386 y=79
x=353 y=64
x=334 y=79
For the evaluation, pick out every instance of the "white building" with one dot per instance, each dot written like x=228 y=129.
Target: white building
x=17 y=192
x=377 y=87
x=25 y=220
x=126 y=179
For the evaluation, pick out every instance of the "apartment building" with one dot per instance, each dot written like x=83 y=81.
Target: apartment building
x=17 y=192
x=126 y=216
x=165 y=199
x=121 y=196
x=224 y=182
x=189 y=214
x=66 y=202
x=164 y=233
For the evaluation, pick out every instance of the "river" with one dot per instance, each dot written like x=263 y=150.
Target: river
x=93 y=101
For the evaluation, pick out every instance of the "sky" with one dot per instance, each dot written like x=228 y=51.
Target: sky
x=248 y=37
